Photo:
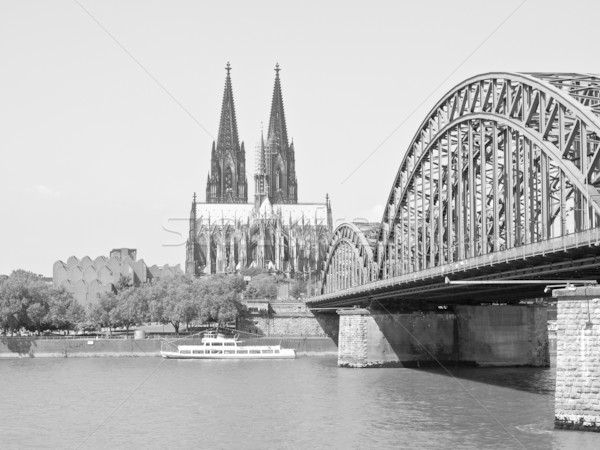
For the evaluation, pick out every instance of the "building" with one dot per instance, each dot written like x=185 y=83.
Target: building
x=274 y=231
x=85 y=278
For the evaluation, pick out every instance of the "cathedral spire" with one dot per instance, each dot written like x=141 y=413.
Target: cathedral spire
x=227 y=182
x=279 y=154
x=277 y=127
x=228 y=131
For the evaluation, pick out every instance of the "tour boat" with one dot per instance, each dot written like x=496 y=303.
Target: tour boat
x=219 y=346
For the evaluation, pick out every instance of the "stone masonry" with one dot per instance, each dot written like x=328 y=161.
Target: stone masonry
x=288 y=326
x=577 y=398
x=352 y=341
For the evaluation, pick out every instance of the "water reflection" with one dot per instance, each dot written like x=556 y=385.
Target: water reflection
x=304 y=403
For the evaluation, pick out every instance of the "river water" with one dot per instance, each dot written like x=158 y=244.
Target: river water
x=302 y=403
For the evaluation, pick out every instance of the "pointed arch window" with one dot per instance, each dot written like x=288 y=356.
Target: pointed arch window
x=278 y=179
x=228 y=178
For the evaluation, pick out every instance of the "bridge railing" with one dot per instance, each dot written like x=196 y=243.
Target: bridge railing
x=576 y=240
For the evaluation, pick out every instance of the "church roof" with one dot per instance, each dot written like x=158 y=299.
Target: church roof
x=228 y=131
x=308 y=212
x=236 y=212
x=277 y=126
x=224 y=211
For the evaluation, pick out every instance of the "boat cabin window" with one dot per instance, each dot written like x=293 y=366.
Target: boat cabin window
x=198 y=352
x=216 y=352
x=255 y=352
x=229 y=343
x=242 y=352
x=267 y=352
x=229 y=352
x=187 y=352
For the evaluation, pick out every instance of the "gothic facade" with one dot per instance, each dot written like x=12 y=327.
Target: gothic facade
x=275 y=175
x=274 y=232
x=227 y=181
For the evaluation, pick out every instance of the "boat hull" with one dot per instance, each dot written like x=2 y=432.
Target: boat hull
x=218 y=346
x=284 y=354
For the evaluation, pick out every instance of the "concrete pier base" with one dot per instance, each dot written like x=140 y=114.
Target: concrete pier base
x=483 y=335
x=577 y=398
x=503 y=335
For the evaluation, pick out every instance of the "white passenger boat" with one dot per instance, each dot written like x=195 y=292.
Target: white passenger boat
x=219 y=346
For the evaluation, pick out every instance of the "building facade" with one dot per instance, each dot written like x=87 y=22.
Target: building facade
x=275 y=231
x=85 y=278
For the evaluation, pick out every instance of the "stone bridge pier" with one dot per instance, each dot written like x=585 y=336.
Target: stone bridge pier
x=577 y=398
x=481 y=335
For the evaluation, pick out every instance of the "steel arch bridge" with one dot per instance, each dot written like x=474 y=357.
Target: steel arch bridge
x=500 y=180
x=350 y=260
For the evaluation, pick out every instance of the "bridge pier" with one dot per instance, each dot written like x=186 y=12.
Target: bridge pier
x=371 y=339
x=482 y=335
x=577 y=397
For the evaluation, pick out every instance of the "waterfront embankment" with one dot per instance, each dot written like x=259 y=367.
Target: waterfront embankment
x=31 y=347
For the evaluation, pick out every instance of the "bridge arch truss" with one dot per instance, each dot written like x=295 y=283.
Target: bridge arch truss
x=350 y=260
x=503 y=160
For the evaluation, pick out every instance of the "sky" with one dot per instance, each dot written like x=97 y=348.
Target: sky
x=108 y=109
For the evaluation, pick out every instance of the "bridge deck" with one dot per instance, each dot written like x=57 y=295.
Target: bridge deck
x=573 y=256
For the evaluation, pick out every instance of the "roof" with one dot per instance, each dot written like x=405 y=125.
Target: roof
x=242 y=212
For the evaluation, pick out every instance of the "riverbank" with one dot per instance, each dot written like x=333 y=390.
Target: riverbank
x=21 y=347
x=70 y=347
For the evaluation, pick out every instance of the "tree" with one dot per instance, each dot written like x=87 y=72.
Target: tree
x=188 y=307
x=262 y=286
x=105 y=312
x=22 y=301
x=237 y=284
x=252 y=271
x=123 y=283
x=132 y=306
x=37 y=313
x=64 y=312
x=26 y=301
x=181 y=300
x=170 y=301
x=298 y=288
x=217 y=297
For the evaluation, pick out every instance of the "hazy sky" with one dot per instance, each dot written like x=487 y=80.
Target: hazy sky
x=95 y=154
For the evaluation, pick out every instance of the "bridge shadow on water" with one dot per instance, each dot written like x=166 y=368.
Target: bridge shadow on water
x=538 y=380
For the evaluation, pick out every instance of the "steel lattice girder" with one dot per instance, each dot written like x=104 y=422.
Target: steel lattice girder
x=452 y=201
x=349 y=259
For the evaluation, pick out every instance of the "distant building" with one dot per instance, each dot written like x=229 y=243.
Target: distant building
x=86 y=278
x=275 y=232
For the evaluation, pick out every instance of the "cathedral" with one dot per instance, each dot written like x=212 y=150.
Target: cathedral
x=272 y=231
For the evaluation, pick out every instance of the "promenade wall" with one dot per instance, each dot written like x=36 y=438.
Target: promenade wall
x=289 y=319
x=14 y=347
x=296 y=325
x=69 y=347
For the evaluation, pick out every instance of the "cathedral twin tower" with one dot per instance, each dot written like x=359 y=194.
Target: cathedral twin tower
x=275 y=176
x=273 y=232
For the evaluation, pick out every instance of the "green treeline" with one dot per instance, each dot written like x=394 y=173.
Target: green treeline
x=27 y=302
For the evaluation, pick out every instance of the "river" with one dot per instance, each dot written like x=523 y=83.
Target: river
x=303 y=403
